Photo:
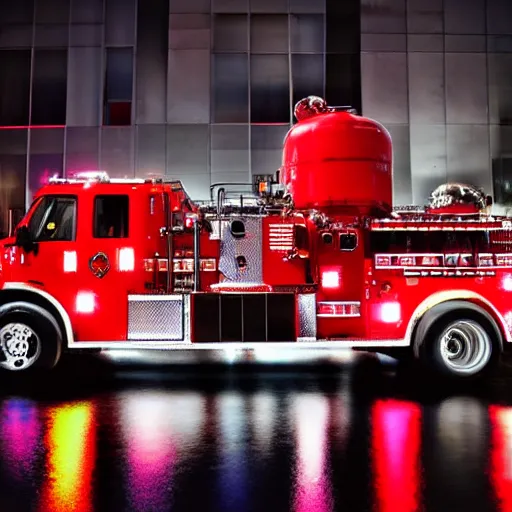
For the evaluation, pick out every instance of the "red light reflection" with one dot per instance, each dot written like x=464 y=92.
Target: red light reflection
x=313 y=484
x=71 y=445
x=20 y=429
x=501 y=455
x=396 y=443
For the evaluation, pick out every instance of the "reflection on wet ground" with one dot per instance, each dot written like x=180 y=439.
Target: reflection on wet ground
x=305 y=439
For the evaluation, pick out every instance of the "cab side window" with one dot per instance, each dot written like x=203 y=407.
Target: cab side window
x=54 y=220
x=111 y=214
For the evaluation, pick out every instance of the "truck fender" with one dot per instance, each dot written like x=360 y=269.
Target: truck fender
x=14 y=292
x=432 y=315
x=13 y=307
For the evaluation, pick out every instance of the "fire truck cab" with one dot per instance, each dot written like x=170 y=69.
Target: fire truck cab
x=315 y=258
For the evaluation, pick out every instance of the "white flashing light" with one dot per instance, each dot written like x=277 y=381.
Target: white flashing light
x=330 y=279
x=85 y=302
x=126 y=259
x=70 y=261
x=507 y=283
x=390 y=312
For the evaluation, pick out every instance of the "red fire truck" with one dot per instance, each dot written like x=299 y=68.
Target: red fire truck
x=317 y=258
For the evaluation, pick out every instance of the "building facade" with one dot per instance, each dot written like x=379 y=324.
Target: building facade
x=203 y=90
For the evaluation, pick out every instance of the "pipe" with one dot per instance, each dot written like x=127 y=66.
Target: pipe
x=197 y=251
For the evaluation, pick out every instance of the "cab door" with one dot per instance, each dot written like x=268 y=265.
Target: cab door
x=106 y=264
x=50 y=262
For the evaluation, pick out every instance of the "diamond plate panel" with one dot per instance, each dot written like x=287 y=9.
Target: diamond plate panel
x=154 y=318
x=307 y=315
x=249 y=247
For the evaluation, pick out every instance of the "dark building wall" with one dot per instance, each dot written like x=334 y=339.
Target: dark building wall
x=198 y=90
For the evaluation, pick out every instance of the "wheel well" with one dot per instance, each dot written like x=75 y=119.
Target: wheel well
x=7 y=296
x=444 y=308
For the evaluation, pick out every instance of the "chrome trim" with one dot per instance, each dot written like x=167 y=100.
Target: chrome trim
x=324 y=344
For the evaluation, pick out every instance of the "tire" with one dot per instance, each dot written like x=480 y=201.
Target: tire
x=30 y=338
x=459 y=341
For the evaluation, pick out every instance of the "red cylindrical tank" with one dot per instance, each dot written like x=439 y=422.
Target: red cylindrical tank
x=332 y=157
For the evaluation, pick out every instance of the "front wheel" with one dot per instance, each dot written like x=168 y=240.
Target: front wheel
x=28 y=340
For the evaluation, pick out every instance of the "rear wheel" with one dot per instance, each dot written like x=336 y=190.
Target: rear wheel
x=29 y=339
x=462 y=344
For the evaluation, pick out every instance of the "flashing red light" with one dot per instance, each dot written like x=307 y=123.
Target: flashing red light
x=395 y=451
x=501 y=458
x=189 y=222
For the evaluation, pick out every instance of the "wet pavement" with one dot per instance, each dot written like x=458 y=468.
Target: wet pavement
x=350 y=437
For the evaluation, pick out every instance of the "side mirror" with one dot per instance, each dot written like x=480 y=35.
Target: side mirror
x=24 y=240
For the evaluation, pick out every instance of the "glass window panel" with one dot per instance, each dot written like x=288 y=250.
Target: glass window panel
x=12 y=187
x=120 y=22
x=119 y=74
x=307 y=76
x=428 y=160
x=52 y=11
x=383 y=17
x=111 y=216
x=87 y=11
x=230 y=33
x=402 y=186
x=116 y=151
x=151 y=149
x=425 y=17
x=85 y=35
x=189 y=6
x=499 y=44
x=425 y=43
x=47 y=140
x=197 y=186
x=51 y=36
x=49 y=87
x=500 y=87
x=14 y=87
x=189 y=31
x=229 y=137
x=343 y=27
x=152 y=56
x=19 y=12
x=269 y=6
x=269 y=33
x=84 y=87
x=383 y=42
x=465 y=43
x=384 y=87
x=268 y=137
x=270 y=89
x=13 y=142
x=468 y=155
x=466 y=88
x=343 y=80
x=499 y=17
x=230 y=5
x=307 y=6
x=463 y=17
x=81 y=139
x=426 y=88
x=188 y=99
x=307 y=33
x=187 y=149
x=16 y=36
x=41 y=168
x=230 y=88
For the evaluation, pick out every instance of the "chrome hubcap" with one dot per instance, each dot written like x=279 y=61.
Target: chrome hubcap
x=465 y=347
x=20 y=345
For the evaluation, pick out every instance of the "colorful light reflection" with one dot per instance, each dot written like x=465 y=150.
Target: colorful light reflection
x=20 y=430
x=396 y=444
x=147 y=423
x=313 y=492
x=501 y=455
x=71 y=446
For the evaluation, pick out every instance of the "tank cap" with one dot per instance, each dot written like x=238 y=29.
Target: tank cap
x=309 y=107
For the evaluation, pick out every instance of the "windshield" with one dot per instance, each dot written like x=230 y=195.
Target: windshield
x=54 y=219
